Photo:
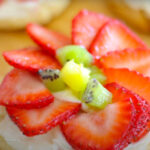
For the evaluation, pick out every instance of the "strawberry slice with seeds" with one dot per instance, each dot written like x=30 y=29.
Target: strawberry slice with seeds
x=23 y=89
x=111 y=128
x=139 y=124
x=131 y=80
x=39 y=121
x=85 y=27
x=133 y=59
x=31 y=59
x=113 y=36
x=47 y=39
x=99 y=130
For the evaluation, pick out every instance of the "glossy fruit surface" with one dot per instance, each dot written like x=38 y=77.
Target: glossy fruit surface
x=23 y=89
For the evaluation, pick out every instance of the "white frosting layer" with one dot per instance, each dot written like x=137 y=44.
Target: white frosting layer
x=143 y=144
x=143 y=5
x=53 y=140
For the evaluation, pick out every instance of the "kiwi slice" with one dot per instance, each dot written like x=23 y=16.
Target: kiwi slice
x=52 y=79
x=97 y=74
x=95 y=95
x=73 y=52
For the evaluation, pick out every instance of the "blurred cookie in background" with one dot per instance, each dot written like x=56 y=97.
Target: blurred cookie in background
x=16 y=14
x=134 y=12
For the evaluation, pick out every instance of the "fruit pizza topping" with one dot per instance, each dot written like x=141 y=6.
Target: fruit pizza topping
x=51 y=84
x=50 y=41
x=77 y=53
x=140 y=122
x=113 y=36
x=76 y=76
x=133 y=59
x=23 y=89
x=91 y=91
x=97 y=73
x=131 y=80
x=52 y=79
x=31 y=59
x=85 y=27
x=111 y=128
x=39 y=121
x=95 y=95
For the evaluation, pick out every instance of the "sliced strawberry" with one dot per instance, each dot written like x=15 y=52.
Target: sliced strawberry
x=31 y=59
x=47 y=39
x=1 y=2
x=113 y=36
x=131 y=80
x=99 y=130
x=24 y=90
x=39 y=121
x=85 y=26
x=112 y=128
x=134 y=59
x=139 y=125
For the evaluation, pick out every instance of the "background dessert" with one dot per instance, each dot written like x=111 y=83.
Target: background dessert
x=135 y=13
x=15 y=14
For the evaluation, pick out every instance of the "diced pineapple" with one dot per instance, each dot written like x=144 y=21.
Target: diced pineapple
x=75 y=76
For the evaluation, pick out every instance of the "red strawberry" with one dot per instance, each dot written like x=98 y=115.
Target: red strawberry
x=131 y=80
x=1 y=2
x=31 y=59
x=100 y=130
x=139 y=125
x=47 y=39
x=39 y=121
x=113 y=36
x=85 y=26
x=112 y=128
x=24 y=90
x=134 y=59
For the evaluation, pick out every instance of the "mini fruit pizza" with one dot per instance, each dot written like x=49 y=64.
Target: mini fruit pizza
x=90 y=92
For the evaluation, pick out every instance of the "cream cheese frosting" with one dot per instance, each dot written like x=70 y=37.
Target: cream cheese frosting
x=53 y=140
x=143 y=144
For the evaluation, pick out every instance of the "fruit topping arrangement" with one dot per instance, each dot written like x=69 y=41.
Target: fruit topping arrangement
x=105 y=66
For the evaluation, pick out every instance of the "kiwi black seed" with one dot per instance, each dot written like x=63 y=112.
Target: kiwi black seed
x=49 y=74
x=96 y=95
x=52 y=79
